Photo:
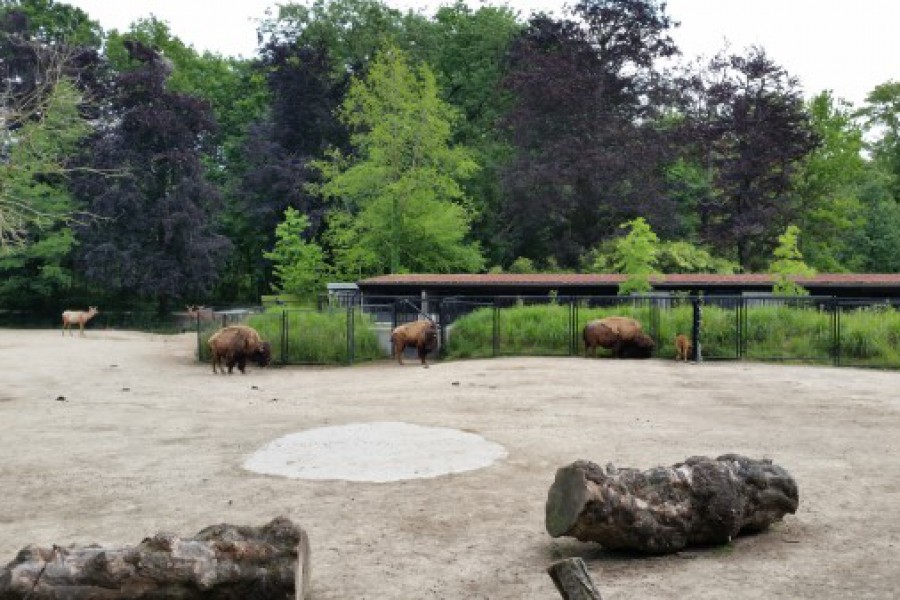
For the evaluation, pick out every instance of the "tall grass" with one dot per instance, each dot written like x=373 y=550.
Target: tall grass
x=868 y=336
x=312 y=337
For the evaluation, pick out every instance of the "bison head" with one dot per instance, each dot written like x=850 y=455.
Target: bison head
x=429 y=337
x=262 y=356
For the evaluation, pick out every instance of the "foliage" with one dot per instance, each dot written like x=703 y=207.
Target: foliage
x=827 y=188
x=684 y=257
x=235 y=93
x=314 y=337
x=522 y=265
x=636 y=256
x=350 y=32
x=880 y=239
x=882 y=112
x=51 y=22
x=748 y=123
x=299 y=265
x=587 y=152
x=399 y=206
x=868 y=336
x=788 y=264
x=33 y=170
x=166 y=249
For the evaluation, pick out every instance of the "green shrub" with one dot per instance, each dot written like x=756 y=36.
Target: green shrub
x=869 y=336
x=311 y=337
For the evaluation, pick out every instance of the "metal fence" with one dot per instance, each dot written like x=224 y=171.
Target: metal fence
x=811 y=329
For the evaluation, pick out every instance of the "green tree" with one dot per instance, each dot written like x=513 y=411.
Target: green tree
x=636 y=256
x=236 y=93
x=882 y=112
x=36 y=208
x=827 y=188
x=299 y=265
x=788 y=264
x=399 y=203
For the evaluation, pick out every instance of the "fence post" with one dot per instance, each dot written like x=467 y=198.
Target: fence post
x=351 y=339
x=495 y=341
x=696 y=354
x=837 y=332
x=442 y=329
x=573 y=321
x=284 y=336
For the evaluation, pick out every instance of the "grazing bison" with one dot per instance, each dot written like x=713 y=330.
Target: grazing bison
x=623 y=335
x=422 y=335
x=235 y=345
x=682 y=347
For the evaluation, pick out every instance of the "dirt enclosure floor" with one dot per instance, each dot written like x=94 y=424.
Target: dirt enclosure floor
x=147 y=440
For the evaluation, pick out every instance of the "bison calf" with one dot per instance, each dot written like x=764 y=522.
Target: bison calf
x=234 y=345
x=421 y=335
x=683 y=347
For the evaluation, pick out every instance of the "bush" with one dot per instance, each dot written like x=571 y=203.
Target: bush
x=868 y=336
x=311 y=337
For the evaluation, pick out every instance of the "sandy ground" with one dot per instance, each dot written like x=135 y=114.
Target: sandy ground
x=149 y=440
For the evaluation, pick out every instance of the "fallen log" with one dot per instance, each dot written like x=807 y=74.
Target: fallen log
x=222 y=562
x=698 y=502
x=572 y=580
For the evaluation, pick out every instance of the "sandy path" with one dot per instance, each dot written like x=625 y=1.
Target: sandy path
x=156 y=442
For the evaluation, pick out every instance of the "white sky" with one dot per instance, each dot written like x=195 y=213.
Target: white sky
x=846 y=46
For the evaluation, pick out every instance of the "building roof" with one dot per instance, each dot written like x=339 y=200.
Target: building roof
x=563 y=280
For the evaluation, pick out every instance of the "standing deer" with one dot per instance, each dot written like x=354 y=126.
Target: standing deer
x=79 y=317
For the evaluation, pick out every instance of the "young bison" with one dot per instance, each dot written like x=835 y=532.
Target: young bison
x=682 y=347
x=623 y=335
x=419 y=334
x=235 y=345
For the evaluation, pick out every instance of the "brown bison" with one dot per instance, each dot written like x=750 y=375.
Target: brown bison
x=235 y=345
x=421 y=335
x=623 y=335
x=683 y=347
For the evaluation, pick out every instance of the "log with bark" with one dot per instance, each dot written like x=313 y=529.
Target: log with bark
x=698 y=502
x=222 y=562
x=572 y=580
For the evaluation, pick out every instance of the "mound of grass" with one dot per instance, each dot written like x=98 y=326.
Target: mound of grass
x=868 y=336
x=311 y=337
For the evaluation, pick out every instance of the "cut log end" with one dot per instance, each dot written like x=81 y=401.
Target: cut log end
x=567 y=498
x=572 y=580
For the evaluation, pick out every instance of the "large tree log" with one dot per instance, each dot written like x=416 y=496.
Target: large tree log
x=699 y=501
x=222 y=562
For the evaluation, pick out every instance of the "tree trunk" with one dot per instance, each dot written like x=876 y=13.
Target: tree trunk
x=223 y=562
x=699 y=501
x=573 y=580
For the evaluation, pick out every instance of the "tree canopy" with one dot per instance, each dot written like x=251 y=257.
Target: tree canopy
x=361 y=139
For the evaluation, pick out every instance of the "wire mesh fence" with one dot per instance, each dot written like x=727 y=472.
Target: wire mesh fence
x=810 y=329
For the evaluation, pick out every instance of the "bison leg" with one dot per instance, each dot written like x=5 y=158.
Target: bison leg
x=423 y=353
x=399 y=347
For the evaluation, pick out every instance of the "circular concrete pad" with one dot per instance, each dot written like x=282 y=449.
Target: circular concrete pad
x=375 y=452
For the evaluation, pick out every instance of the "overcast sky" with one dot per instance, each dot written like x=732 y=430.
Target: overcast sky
x=845 y=46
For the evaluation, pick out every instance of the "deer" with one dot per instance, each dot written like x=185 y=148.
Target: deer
x=79 y=317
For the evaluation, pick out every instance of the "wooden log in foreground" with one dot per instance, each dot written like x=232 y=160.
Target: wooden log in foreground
x=572 y=579
x=700 y=501
x=222 y=562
